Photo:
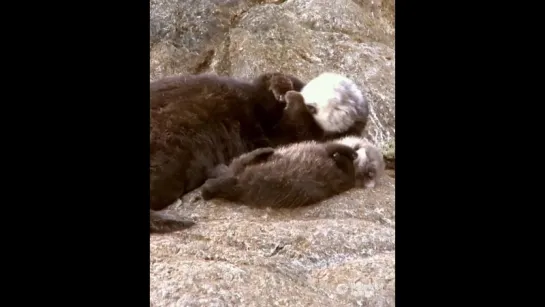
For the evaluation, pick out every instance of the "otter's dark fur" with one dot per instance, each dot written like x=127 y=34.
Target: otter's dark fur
x=300 y=174
x=199 y=121
x=299 y=123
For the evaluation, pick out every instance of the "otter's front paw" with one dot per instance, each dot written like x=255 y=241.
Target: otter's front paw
x=217 y=187
x=344 y=161
x=295 y=101
x=208 y=190
x=312 y=108
x=337 y=150
x=279 y=84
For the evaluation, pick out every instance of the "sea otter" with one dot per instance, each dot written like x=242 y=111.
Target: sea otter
x=299 y=174
x=199 y=121
x=328 y=107
x=296 y=175
x=370 y=164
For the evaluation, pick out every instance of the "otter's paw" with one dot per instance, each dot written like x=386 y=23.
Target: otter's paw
x=279 y=84
x=295 y=101
x=218 y=187
x=253 y=157
x=345 y=164
x=312 y=108
x=339 y=150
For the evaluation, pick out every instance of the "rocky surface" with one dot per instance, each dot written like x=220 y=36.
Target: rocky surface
x=338 y=252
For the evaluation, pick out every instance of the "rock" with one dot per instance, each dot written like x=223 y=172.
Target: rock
x=244 y=38
x=389 y=152
x=339 y=252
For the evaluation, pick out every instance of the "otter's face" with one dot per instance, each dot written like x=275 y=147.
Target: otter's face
x=318 y=94
x=369 y=164
x=331 y=110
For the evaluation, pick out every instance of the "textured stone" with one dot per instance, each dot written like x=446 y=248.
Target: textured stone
x=305 y=37
x=337 y=253
x=340 y=251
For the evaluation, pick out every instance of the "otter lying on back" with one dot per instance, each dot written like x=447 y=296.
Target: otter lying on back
x=296 y=175
x=199 y=121
x=328 y=107
x=370 y=164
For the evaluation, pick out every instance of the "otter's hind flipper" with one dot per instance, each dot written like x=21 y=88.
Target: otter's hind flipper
x=253 y=157
x=221 y=187
x=161 y=223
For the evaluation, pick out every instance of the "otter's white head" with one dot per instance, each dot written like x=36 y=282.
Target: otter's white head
x=369 y=164
x=335 y=101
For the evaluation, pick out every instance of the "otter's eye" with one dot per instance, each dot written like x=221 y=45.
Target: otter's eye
x=357 y=147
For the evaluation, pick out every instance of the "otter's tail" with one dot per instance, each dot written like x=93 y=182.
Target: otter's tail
x=162 y=223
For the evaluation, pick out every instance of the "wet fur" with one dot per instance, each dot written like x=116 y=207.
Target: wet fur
x=199 y=121
x=300 y=174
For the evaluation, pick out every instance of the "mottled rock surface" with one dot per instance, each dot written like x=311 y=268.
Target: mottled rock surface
x=339 y=252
